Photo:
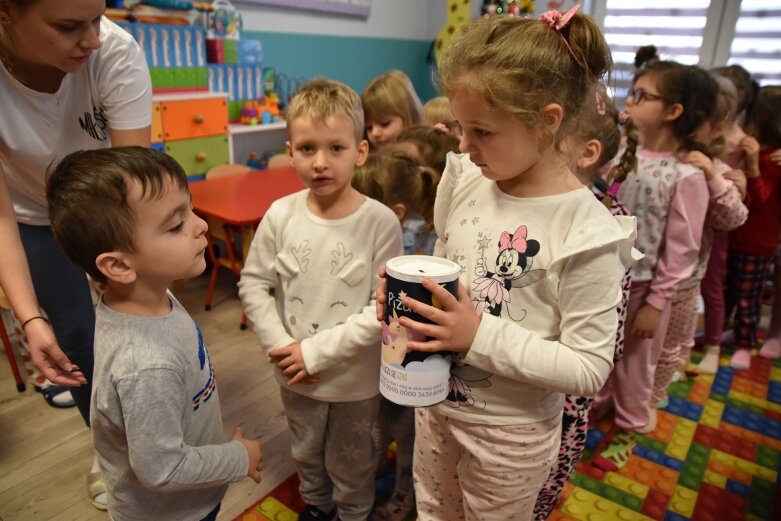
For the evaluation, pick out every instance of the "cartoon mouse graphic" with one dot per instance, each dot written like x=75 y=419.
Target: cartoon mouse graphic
x=513 y=269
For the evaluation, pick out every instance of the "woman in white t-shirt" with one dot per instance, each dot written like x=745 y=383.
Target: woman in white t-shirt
x=69 y=80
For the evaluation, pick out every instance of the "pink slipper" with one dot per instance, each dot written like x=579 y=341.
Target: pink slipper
x=741 y=359
x=771 y=349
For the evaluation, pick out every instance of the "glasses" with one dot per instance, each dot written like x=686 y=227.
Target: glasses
x=639 y=95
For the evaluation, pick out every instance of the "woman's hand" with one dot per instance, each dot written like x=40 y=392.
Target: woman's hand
x=49 y=358
x=454 y=326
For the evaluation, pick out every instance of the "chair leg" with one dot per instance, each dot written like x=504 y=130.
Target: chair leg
x=9 y=351
x=215 y=266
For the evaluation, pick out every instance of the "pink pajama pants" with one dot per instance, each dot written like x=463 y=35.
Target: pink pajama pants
x=470 y=471
x=632 y=381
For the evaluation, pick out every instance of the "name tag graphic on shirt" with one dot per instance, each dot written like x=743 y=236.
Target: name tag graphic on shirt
x=211 y=381
x=95 y=123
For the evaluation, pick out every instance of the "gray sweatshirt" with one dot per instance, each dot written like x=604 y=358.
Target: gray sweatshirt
x=156 y=420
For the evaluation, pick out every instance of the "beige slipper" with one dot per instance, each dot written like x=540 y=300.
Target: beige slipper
x=95 y=487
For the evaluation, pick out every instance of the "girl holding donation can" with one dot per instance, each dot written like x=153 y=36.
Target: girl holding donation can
x=542 y=262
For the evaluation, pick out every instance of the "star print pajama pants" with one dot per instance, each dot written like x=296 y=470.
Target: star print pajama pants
x=333 y=452
x=469 y=471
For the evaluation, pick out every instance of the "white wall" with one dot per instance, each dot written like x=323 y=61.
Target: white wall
x=402 y=19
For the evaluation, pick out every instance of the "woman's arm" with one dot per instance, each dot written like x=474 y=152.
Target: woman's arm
x=18 y=286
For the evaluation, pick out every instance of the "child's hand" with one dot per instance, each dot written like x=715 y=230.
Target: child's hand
x=701 y=161
x=290 y=360
x=255 y=453
x=750 y=147
x=776 y=157
x=646 y=322
x=455 y=325
x=382 y=285
x=739 y=178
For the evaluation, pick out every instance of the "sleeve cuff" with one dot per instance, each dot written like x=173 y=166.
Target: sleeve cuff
x=657 y=301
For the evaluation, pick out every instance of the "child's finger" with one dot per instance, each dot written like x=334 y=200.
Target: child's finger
x=447 y=299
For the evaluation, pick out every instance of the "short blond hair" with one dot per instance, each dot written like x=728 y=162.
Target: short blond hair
x=322 y=98
x=437 y=110
x=392 y=94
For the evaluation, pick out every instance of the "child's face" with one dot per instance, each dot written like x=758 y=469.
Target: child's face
x=650 y=111
x=325 y=154
x=170 y=239
x=499 y=144
x=384 y=130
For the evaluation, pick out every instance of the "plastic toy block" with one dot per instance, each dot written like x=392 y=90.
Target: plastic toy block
x=681 y=439
x=557 y=515
x=672 y=516
x=761 y=498
x=655 y=504
x=731 y=473
x=658 y=457
x=725 y=442
x=587 y=469
x=711 y=413
x=607 y=491
x=717 y=480
x=680 y=389
x=736 y=487
x=683 y=501
x=715 y=503
x=718 y=397
x=775 y=375
x=759 y=370
x=275 y=511
x=774 y=390
x=665 y=426
x=753 y=422
x=767 y=457
x=773 y=415
x=743 y=385
x=699 y=392
x=654 y=476
x=629 y=486
x=594 y=438
x=647 y=441
x=287 y=493
x=688 y=410
x=582 y=504
x=750 y=403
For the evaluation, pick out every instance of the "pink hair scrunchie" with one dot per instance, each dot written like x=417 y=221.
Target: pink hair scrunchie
x=556 y=21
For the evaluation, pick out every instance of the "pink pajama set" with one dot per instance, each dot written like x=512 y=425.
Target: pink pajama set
x=726 y=212
x=669 y=200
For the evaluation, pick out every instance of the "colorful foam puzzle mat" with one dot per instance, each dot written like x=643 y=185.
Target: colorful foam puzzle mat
x=714 y=456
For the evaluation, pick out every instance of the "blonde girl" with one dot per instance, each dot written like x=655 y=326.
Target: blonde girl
x=668 y=102
x=438 y=114
x=542 y=260
x=390 y=104
x=591 y=147
x=393 y=177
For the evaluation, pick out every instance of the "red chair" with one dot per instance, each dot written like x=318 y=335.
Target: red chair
x=9 y=351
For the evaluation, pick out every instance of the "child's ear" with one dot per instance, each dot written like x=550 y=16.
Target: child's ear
x=552 y=114
x=400 y=210
x=116 y=267
x=363 y=153
x=673 y=112
x=590 y=154
x=289 y=150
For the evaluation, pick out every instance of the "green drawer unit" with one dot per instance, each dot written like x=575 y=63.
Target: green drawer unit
x=198 y=155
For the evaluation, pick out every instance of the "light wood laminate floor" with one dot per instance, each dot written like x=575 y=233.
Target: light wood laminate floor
x=45 y=453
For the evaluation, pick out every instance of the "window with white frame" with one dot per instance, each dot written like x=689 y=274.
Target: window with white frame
x=676 y=29
x=757 y=42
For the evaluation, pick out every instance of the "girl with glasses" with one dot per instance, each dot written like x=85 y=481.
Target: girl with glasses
x=668 y=102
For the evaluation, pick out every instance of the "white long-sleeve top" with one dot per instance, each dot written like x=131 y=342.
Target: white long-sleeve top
x=312 y=280
x=546 y=274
